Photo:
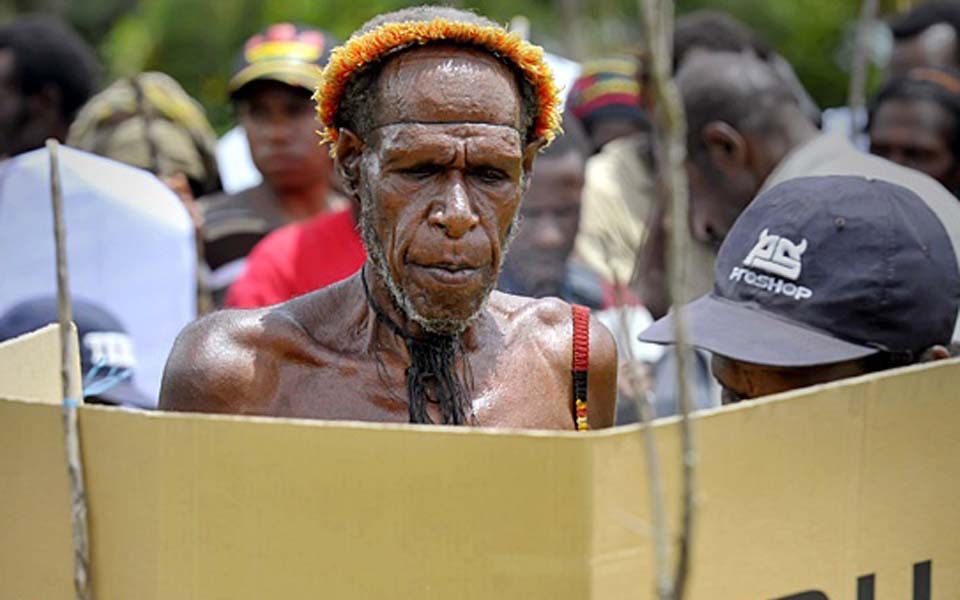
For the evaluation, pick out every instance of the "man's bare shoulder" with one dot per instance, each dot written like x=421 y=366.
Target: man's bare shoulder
x=525 y=312
x=549 y=323
x=227 y=361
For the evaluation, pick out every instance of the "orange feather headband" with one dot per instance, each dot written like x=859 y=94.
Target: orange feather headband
x=374 y=45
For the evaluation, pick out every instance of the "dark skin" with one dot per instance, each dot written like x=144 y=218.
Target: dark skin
x=279 y=121
x=442 y=175
x=26 y=122
x=917 y=134
x=551 y=218
x=728 y=169
x=606 y=130
x=742 y=380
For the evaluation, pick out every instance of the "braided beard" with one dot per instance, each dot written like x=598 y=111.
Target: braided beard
x=432 y=375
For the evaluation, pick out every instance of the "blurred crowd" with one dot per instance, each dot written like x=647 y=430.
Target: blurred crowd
x=189 y=223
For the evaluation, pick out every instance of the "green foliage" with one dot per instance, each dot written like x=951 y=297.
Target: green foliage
x=807 y=33
x=197 y=42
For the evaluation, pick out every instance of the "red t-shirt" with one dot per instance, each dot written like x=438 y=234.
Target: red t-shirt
x=297 y=259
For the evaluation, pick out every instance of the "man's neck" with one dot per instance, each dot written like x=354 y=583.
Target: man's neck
x=303 y=202
x=793 y=132
x=380 y=300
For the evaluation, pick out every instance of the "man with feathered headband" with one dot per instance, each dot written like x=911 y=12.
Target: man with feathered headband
x=435 y=116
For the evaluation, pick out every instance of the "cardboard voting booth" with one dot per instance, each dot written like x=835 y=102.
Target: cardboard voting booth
x=848 y=491
x=129 y=241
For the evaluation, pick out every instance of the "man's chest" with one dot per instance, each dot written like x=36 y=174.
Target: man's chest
x=511 y=390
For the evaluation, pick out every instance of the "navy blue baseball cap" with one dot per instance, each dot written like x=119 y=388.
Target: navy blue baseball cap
x=107 y=360
x=820 y=270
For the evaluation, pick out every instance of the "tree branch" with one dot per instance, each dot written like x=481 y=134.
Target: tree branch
x=671 y=151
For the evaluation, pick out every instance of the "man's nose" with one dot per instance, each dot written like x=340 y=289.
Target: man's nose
x=701 y=228
x=279 y=130
x=453 y=213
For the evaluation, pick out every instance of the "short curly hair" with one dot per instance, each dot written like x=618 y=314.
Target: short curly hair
x=48 y=52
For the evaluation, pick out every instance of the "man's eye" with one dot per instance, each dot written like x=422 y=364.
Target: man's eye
x=299 y=109
x=257 y=112
x=917 y=154
x=421 y=171
x=489 y=175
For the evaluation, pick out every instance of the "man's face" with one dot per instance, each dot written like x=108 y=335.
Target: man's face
x=746 y=381
x=441 y=180
x=716 y=199
x=280 y=123
x=550 y=215
x=916 y=134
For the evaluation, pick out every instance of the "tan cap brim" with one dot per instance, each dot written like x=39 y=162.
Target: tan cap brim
x=290 y=72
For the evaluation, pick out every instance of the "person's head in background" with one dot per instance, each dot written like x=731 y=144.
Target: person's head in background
x=926 y=36
x=915 y=121
x=824 y=278
x=536 y=264
x=716 y=31
x=47 y=72
x=742 y=120
x=271 y=91
x=107 y=358
x=149 y=121
x=606 y=100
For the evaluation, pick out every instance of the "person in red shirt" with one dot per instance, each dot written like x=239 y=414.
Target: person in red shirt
x=299 y=258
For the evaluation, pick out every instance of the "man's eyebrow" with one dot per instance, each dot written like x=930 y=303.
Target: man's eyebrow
x=485 y=123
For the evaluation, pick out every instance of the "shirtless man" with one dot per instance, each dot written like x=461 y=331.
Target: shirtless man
x=436 y=141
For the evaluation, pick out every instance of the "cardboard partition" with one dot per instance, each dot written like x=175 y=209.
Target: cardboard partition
x=30 y=365
x=846 y=491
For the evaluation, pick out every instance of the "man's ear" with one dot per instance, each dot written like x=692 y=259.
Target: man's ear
x=725 y=146
x=348 y=151
x=934 y=353
x=530 y=153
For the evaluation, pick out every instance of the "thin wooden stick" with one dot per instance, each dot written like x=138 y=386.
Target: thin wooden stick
x=671 y=135
x=856 y=96
x=72 y=389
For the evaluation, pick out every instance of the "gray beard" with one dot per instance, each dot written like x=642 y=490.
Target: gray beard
x=377 y=257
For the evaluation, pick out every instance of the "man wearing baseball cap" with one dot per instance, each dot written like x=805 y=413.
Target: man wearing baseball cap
x=107 y=360
x=823 y=278
x=271 y=89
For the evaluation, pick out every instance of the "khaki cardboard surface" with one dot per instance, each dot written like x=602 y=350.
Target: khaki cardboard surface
x=30 y=365
x=36 y=555
x=805 y=492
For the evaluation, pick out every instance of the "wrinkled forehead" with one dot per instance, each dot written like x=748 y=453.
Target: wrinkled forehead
x=448 y=84
x=445 y=142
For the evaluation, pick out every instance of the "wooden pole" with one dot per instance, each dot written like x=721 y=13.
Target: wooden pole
x=856 y=95
x=671 y=149
x=72 y=388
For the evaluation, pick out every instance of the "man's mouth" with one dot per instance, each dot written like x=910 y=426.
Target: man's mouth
x=449 y=273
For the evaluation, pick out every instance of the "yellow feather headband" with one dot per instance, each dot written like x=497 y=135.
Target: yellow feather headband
x=375 y=44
